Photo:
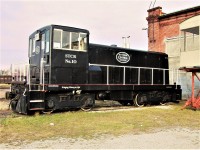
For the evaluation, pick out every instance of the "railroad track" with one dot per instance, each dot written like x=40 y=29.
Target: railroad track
x=5 y=113
x=100 y=106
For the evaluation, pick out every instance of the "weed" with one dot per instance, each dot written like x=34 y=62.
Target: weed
x=87 y=125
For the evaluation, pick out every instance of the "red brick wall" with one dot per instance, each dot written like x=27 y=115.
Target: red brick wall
x=160 y=28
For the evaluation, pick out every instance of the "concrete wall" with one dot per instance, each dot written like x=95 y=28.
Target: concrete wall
x=178 y=57
x=190 y=58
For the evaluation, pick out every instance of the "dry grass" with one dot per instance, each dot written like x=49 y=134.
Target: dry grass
x=87 y=125
x=4 y=86
x=4 y=104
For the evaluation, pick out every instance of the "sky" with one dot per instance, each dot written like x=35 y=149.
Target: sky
x=107 y=20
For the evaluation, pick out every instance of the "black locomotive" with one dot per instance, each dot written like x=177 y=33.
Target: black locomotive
x=66 y=71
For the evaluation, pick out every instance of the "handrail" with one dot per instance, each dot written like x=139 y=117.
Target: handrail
x=19 y=72
x=139 y=72
x=42 y=73
x=22 y=73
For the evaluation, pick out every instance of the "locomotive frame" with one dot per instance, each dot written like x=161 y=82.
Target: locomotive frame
x=65 y=71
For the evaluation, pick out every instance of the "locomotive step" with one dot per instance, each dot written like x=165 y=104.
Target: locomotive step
x=37 y=104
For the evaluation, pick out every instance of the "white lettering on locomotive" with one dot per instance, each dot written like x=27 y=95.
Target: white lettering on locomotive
x=71 y=87
x=70 y=56
x=70 y=59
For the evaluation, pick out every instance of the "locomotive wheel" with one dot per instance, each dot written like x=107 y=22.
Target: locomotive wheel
x=140 y=100
x=165 y=100
x=50 y=104
x=88 y=103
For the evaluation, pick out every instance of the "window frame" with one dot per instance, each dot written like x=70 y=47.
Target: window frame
x=70 y=40
x=30 y=47
x=34 y=43
x=43 y=42
x=47 y=41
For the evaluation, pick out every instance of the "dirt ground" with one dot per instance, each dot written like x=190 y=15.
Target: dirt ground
x=3 y=102
x=174 y=138
x=2 y=93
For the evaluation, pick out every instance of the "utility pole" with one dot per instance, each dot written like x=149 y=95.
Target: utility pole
x=126 y=43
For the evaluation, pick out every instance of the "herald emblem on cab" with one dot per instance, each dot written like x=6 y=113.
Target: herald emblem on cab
x=122 y=57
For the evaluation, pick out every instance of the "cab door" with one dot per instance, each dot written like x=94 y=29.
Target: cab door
x=34 y=59
x=37 y=57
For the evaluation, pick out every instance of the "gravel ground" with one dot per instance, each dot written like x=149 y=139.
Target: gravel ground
x=177 y=138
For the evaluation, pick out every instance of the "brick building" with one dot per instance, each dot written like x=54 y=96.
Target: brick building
x=176 y=34
x=161 y=25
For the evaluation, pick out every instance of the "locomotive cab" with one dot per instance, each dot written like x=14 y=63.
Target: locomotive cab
x=58 y=61
x=57 y=54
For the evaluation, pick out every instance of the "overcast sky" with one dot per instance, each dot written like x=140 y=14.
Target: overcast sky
x=107 y=20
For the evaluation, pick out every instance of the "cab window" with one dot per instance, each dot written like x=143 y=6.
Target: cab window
x=57 y=38
x=30 y=47
x=75 y=42
x=66 y=40
x=34 y=42
x=43 y=41
x=47 y=41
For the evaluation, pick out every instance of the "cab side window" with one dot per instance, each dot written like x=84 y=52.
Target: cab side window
x=74 y=40
x=30 y=47
x=66 y=39
x=47 y=41
x=69 y=40
x=57 y=38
